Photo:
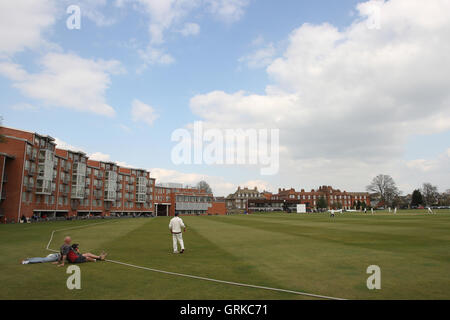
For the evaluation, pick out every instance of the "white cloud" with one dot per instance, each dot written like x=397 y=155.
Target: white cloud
x=143 y=112
x=227 y=10
x=124 y=127
x=94 y=11
x=100 y=156
x=60 y=144
x=190 y=29
x=260 y=184
x=258 y=41
x=346 y=100
x=66 y=80
x=23 y=23
x=151 y=56
x=170 y=15
x=259 y=58
x=163 y=14
x=12 y=71
x=24 y=107
x=437 y=165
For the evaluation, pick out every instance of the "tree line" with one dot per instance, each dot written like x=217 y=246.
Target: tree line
x=384 y=190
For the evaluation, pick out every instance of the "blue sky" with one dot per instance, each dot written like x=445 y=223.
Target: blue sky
x=219 y=55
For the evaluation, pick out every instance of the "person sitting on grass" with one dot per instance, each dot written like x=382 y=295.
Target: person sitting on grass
x=73 y=254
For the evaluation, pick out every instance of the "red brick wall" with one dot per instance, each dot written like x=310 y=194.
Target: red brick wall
x=218 y=208
x=14 y=171
x=17 y=133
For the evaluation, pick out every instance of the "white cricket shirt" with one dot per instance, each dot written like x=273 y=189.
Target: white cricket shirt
x=176 y=224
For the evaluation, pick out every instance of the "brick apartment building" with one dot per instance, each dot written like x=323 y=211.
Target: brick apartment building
x=39 y=179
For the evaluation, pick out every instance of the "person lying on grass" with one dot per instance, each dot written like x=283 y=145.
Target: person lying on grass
x=73 y=254
x=52 y=257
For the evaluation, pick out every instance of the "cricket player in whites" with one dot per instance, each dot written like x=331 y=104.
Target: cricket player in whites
x=175 y=226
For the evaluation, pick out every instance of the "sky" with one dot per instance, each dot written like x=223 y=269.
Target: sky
x=355 y=88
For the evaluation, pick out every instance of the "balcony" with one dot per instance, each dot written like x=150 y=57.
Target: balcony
x=41 y=190
x=76 y=195
x=141 y=198
x=109 y=196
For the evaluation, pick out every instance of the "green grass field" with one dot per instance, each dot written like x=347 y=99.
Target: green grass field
x=303 y=252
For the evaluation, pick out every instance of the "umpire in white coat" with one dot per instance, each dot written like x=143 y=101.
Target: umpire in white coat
x=175 y=226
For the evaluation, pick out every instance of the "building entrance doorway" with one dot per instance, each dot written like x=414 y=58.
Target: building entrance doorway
x=162 y=209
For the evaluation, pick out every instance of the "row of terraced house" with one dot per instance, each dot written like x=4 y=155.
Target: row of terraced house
x=38 y=179
x=251 y=200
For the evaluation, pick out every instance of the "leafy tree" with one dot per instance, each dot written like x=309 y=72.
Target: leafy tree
x=203 y=185
x=384 y=186
x=416 y=198
x=322 y=203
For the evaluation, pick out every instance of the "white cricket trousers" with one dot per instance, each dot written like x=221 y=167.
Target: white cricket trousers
x=177 y=237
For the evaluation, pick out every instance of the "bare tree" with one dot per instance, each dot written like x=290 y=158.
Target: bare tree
x=444 y=198
x=203 y=185
x=430 y=194
x=384 y=186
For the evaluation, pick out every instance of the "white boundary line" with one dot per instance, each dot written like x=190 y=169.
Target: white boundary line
x=70 y=228
x=193 y=276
